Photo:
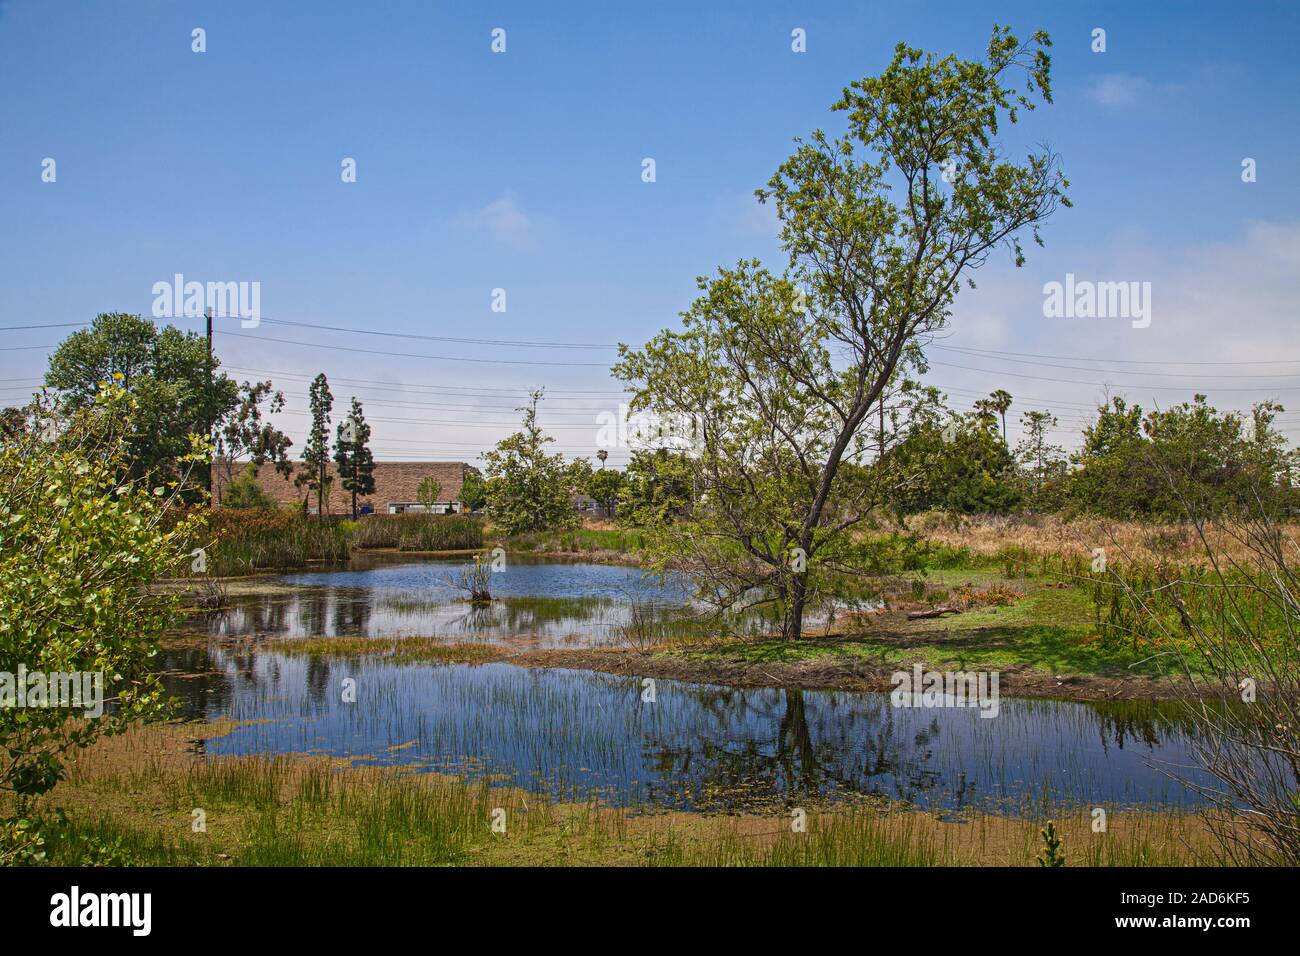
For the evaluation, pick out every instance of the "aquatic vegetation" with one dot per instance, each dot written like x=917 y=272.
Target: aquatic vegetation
x=130 y=800
x=420 y=532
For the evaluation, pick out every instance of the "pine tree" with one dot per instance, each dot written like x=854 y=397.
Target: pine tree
x=316 y=453
x=1035 y=453
x=355 y=464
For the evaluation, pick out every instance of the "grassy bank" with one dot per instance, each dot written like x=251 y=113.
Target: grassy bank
x=132 y=800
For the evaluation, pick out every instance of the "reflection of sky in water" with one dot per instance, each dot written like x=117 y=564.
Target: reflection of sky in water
x=581 y=733
x=581 y=604
x=517 y=579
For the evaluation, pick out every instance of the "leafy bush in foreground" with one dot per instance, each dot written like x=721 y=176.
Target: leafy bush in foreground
x=80 y=544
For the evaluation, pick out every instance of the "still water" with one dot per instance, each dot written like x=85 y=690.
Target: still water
x=579 y=734
x=536 y=603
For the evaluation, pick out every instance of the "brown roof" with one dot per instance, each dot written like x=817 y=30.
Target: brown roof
x=395 y=481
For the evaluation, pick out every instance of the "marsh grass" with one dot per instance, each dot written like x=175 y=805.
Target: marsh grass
x=398 y=649
x=130 y=800
x=578 y=541
x=248 y=541
x=420 y=532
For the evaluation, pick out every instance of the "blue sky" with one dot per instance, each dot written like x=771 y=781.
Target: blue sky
x=522 y=171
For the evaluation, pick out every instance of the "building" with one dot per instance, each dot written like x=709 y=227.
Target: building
x=396 y=488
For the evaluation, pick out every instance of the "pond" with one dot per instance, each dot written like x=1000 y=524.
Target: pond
x=536 y=603
x=586 y=735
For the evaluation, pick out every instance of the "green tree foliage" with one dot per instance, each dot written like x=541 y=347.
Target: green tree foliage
x=244 y=436
x=428 y=492
x=1000 y=402
x=1188 y=459
x=578 y=475
x=352 y=458
x=244 y=492
x=657 y=488
x=961 y=466
x=79 y=548
x=606 y=487
x=1043 y=465
x=166 y=373
x=779 y=373
x=315 y=476
x=528 y=489
x=13 y=423
x=473 y=490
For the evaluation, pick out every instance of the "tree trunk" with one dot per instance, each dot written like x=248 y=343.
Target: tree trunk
x=793 y=627
x=882 y=426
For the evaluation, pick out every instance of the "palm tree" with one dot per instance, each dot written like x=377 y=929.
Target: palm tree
x=1000 y=401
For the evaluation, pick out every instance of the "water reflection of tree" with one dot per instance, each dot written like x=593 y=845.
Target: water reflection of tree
x=743 y=767
x=259 y=616
x=313 y=611
x=318 y=678
x=194 y=684
x=352 y=614
x=1138 y=721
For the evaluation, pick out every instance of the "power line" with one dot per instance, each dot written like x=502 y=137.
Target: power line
x=435 y=406
x=522 y=343
x=435 y=358
x=1071 y=381
x=593 y=426
x=1113 y=361
x=529 y=343
x=453 y=389
x=1114 y=371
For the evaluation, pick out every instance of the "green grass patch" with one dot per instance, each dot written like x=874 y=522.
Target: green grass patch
x=577 y=541
x=1050 y=629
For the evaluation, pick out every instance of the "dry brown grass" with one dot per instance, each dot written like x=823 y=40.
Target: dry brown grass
x=1049 y=535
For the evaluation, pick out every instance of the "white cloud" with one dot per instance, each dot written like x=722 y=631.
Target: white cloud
x=1118 y=89
x=504 y=220
x=1228 y=301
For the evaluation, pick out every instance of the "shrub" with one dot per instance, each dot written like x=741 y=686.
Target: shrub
x=80 y=545
x=245 y=492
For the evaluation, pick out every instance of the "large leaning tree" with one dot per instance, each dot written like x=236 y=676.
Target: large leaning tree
x=779 y=373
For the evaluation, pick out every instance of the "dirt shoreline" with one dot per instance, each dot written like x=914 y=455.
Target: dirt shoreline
x=856 y=675
x=1018 y=680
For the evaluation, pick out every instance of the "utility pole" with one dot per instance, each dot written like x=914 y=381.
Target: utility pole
x=207 y=385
